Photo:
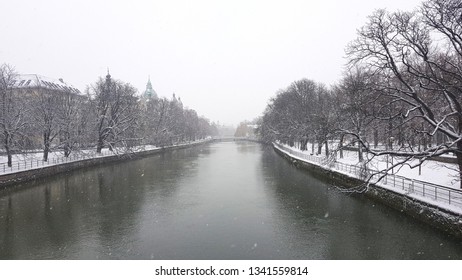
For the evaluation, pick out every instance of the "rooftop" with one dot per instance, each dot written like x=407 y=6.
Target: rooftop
x=38 y=81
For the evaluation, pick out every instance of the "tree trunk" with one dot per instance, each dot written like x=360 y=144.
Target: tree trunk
x=400 y=133
x=389 y=136
x=67 y=145
x=291 y=143
x=360 y=152
x=439 y=138
x=319 y=147
x=46 y=146
x=67 y=150
x=67 y=153
x=45 y=153
x=340 y=145
x=459 y=162
x=304 y=142
x=99 y=146
x=376 y=138
x=327 y=148
x=8 y=151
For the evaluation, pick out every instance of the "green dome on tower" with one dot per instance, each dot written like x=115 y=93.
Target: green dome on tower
x=149 y=93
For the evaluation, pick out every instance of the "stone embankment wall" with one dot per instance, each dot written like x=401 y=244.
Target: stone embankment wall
x=441 y=219
x=46 y=171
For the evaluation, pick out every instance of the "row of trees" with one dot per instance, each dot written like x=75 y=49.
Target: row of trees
x=109 y=114
x=247 y=129
x=401 y=94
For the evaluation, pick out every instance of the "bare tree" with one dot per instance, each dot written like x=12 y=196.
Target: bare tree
x=45 y=105
x=13 y=119
x=303 y=112
x=74 y=115
x=175 y=120
x=56 y=114
x=116 y=110
x=355 y=106
x=191 y=125
x=154 y=118
x=420 y=77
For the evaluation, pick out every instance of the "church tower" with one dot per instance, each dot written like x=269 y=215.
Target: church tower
x=149 y=93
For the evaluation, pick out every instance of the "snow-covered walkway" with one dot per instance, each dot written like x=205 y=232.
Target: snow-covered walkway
x=436 y=187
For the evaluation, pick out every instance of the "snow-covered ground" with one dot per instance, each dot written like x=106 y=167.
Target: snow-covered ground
x=435 y=172
x=444 y=174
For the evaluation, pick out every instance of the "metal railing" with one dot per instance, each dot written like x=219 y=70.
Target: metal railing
x=419 y=189
x=28 y=164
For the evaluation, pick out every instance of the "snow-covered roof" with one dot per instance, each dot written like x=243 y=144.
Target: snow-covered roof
x=38 y=81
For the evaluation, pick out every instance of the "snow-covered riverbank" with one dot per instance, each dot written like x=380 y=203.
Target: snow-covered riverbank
x=403 y=182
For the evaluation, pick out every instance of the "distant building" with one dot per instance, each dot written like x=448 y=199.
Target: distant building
x=32 y=88
x=37 y=82
x=149 y=93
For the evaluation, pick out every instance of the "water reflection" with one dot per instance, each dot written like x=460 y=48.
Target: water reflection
x=83 y=214
x=219 y=201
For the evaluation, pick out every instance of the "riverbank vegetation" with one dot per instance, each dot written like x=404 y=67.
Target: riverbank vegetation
x=401 y=94
x=109 y=114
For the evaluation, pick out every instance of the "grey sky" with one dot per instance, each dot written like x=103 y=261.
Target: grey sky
x=225 y=59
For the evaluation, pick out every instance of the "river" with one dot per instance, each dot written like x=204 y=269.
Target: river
x=228 y=200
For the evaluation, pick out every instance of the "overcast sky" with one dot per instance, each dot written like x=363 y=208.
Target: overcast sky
x=225 y=59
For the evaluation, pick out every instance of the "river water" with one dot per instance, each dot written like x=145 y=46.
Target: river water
x=229 y=200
